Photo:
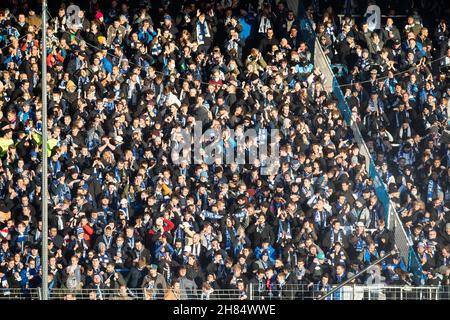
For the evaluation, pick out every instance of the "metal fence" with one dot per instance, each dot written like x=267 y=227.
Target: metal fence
x=321 y=61
x=287 y=292
x=198 y=294
x=19 y=294
x=96 y=294
x=357 y=292
x=387 y=293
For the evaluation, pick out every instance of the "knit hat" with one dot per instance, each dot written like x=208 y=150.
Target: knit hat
x=101 y=39
x=71 y=84
x=98 y=15
x=80 y=230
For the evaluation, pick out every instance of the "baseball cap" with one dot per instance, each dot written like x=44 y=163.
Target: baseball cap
x=321 y=256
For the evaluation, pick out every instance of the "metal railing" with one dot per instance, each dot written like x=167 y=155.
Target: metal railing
x=96 y=294
x=356 y=292
x=253 y=292
x=388 y=293
x=20 y=294
x=197 y=294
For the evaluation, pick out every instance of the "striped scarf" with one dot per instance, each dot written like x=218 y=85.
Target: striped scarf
x=284 y=226
x=202 y=31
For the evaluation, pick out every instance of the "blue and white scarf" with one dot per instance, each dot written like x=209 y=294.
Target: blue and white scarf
x=202 y=31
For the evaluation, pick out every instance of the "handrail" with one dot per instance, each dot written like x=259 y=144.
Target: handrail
x=305 y=291
x=357 y=275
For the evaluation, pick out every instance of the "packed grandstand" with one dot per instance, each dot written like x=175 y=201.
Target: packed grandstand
x=124 y=78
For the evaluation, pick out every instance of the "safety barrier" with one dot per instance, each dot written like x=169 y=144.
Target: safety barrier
x=96 y=294
x=357 y=292
x=252 y=292
x=196 y=294
x=20 y=294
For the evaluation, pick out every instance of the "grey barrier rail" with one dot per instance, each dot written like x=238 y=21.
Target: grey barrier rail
x=253 y=293
x=20 y=294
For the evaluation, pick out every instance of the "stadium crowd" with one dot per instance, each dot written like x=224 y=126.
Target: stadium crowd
x=124 y=77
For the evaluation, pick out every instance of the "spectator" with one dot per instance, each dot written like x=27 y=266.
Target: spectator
x=126 y=80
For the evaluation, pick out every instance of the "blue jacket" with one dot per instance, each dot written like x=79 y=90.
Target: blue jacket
x=146 y=36
x=247 y=24
x=432 y=187
x=107 y=65
x=270 y=250
x=418 y=45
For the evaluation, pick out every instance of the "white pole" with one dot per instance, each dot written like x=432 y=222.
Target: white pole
x=44 y=155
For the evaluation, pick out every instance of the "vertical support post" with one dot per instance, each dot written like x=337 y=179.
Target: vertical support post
x=354 y=291
x=44 y=156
